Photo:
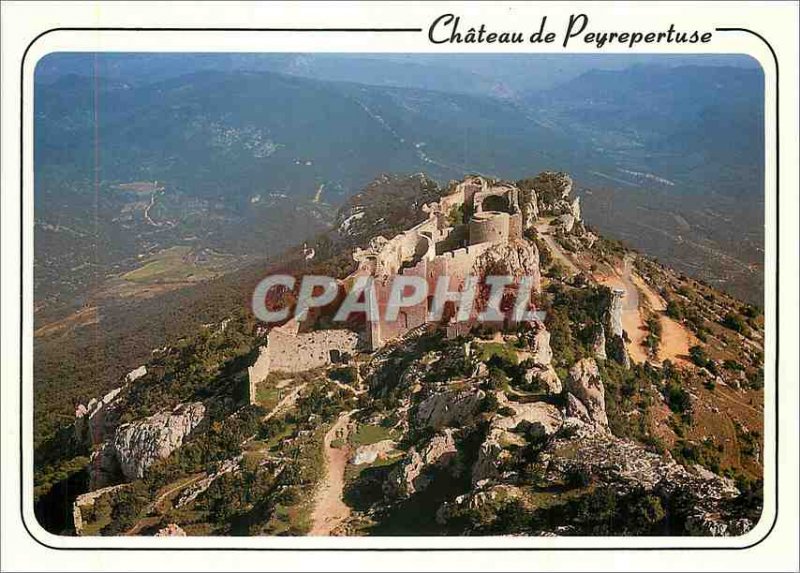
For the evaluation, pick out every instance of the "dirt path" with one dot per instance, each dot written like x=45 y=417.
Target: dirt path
x=543 y=230
x=632 y=319
x=675 y=338
x=157 y=505
x=287 y=402
x=738 y=402
x=329 y=509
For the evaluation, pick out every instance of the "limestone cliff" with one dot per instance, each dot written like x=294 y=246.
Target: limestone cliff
x=137 y=445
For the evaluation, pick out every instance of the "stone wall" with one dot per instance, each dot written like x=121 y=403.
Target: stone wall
x=296 y=353
x=257 y=372
x=289 y=350
x=87 y=500
x=433 y=249
x=137 y=445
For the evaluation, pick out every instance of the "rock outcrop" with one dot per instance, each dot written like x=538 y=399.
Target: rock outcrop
x=171 y=530
x=599 y=343
x=137 y=445
x=545 y=377
x=575 y=209
x=546 y=417
x=626 y=466
x=541 y=353
x=615 y=312
x=585 y=385
x=518 y=259
x=136 y=373
x=536 y=419
x=191 y=493
x=369 y=453
x=477 y=500
x=616 y=350
x=414 y=472
x=449 y=408
x=566 y=222
x=95 y=420
x=529 y=205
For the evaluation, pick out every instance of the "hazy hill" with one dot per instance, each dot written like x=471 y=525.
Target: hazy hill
x=194 y=151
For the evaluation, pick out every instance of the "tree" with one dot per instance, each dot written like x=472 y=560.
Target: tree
x=735 y=322
x=699 y=356
x=675 y=310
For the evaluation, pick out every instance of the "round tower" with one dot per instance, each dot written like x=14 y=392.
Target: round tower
x=488 y=227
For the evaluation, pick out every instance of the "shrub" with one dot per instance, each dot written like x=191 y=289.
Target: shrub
x=732 y=365
x=578 y=477
x=346 y=375
x=675 y=310
x=490 y=403
x=699 y=356
x=677 y=397
x=735 y=322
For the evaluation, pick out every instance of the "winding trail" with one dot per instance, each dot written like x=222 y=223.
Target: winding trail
x=158 y=505
x=329 y=509
x=543 y=229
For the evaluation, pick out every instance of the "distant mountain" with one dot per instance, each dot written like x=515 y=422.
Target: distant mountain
x=151 y=152
x=222 y=158
x=508 y=76
x=677 y=120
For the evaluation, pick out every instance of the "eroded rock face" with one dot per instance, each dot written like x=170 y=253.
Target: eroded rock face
x=137 y=445
x=540 y=414
x=546 y=377
x=449 y=408
x=615 y=312
x=542 y=354
x=585 y=385
x=171 y=530
x=136 y=373
x=519 y=259
x=95 y=420
x=490 y=455
x=477 y=500
x=575 y=208
x=599 y=343
x=616 y=350
x=414 y=473
x=566 y=222
x=530 y=209
x=368 y=454
x=534 y=418
x=627 y=466
x=574 y=408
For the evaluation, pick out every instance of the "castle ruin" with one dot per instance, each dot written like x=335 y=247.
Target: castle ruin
x=477 y=216
x=460 y=227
